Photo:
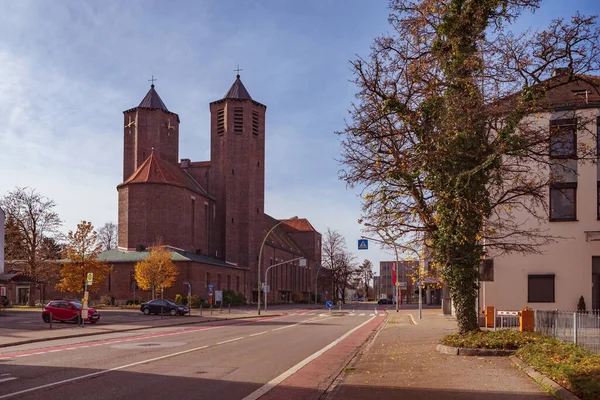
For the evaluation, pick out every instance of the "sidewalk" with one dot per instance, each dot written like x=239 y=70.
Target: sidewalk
x=401 y=362
x=14 y=337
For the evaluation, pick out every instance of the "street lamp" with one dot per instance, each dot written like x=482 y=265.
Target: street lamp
x=260 y=255
x=316 y=280
x=302 y=261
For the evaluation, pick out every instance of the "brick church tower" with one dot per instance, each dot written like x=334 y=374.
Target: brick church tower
x=150 y=126
x=237 y=174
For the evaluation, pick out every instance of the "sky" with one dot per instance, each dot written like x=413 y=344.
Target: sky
x=69 y=69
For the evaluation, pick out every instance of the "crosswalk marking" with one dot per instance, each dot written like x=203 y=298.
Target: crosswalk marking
x=361 y=314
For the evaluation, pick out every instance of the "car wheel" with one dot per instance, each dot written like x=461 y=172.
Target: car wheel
x=46 y=318
x=173 y=312
x=146 y=311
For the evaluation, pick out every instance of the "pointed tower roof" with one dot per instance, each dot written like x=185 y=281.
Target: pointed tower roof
x=153 y=100
x=238 y=91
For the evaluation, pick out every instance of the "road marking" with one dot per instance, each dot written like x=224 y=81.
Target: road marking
x=412 y=320
x=372 y=315
x=361 y=315
x=7 y=379
x=270 y=385
x=256 y=334
x=230 y=340
x=78 y=378
x=352 y=314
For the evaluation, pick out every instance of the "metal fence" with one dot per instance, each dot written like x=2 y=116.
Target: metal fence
x=582 y=328
x=578 y=327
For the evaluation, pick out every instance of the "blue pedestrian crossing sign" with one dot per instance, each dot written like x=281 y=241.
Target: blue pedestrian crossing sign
x=329 y=304
x=363 y=244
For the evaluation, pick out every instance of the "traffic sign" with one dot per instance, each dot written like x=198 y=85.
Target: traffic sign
x=90 y=278
x=397 y=283
x=363 y=244
x=329 y=304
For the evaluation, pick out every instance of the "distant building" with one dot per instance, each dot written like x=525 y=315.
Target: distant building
x=2 y=221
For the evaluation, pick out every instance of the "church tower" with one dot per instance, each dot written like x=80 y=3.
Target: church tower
x=149 y=127
x=237 y=175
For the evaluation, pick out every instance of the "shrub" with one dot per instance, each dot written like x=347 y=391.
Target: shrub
x=195 y=301
x=581 y=305
x=180 y=299
x=132 y=302
x=505 y=339
x=107 y=300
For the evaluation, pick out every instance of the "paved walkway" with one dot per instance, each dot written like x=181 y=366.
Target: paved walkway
x=401 y=362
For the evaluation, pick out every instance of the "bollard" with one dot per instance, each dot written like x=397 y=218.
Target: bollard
x=221 y=308
x=201 y=307
x=229 y=308
x=161 y=312
x=211 y=309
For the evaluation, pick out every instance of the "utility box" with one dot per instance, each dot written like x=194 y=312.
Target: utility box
x=490 y=316
x=526 y=320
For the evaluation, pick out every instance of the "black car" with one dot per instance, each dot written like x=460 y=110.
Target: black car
x=384 y=301
x=3 y=301
x=160 y=306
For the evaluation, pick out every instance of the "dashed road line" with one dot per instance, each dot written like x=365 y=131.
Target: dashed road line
x=231 y=340
x=259 y=333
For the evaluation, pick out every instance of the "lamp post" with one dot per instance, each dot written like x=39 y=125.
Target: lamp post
x=267 y=271
x=260 y=255
x=316 y=279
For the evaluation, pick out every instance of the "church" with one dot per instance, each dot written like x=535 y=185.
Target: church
x=209 y=214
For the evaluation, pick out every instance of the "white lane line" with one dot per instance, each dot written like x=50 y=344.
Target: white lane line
x=270 y=385
x=352 y=314
x=4 y=374
x=259 y=333
x=77 y=378
x=412 y=319
x=361 y=315
x=372 y=315
x=230 y=340
x=283 y=327
x=7 y=379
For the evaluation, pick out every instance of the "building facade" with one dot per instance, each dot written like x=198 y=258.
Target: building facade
x=569 y=267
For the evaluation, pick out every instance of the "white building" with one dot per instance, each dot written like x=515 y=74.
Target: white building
x=569 y=268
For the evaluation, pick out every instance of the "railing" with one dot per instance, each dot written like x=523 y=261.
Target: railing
x=578 y=327
x=581 y=327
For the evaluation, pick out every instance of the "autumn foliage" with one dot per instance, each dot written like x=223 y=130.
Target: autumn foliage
x=81 y=255
x=156 y=271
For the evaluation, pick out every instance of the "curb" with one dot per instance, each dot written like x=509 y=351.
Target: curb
x=461 y=351
x=554 y=388
x=77 y=335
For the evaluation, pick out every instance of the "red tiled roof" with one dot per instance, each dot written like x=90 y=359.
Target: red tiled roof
x=300 y=224
x=155 y=170
x=279 y=238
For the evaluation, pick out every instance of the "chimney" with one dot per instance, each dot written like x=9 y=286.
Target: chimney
x=561 y=71
x=185 y=163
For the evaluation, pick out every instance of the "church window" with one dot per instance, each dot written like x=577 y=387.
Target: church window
x=228 y=282
x=193 y=221
x=218 y=281
x=232 y=220
x=232 y=172
x=207 y=279
x=257 y=211
x=221 y=122
x=238 y=120
x=255 y=123
x=258 y=163
x=237 y=284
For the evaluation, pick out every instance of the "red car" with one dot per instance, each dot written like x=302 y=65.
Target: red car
x=65 y=310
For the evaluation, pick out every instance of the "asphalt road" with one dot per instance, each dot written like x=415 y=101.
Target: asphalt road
x=228 y=360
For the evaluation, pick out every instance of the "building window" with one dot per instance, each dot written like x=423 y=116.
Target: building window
x=237 y=284
x=540 y=288
x=563 y=138
x=563 y=202
x=255 y=123
x=221 y=122
x=207 y=279
x=228 y=282
x=218 y=281
x=238 y=120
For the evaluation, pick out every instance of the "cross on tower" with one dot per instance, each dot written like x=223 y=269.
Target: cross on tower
x=152 y=80
x=238 y=70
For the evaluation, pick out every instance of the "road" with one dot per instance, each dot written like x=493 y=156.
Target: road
x=225 y=360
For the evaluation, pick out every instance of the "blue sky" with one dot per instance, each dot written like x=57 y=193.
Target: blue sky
x=68 y=69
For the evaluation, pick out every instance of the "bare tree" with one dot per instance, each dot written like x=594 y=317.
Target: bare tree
x=107 y=236
x=441 y=136
x=365 y=274
x=36 y=221
x=340 y=263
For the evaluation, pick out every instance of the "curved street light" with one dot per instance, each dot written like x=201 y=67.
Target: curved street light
x=260 y=254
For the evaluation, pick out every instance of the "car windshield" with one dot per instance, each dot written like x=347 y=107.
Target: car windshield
x=77 y=304
x=171 y=303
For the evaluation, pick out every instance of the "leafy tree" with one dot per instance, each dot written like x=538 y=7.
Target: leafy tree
x=444 y=136
x=365 y=273
x=156 y=271
x=32 y=220
x=107 y=235
x=81 y=255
